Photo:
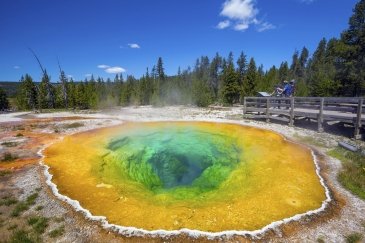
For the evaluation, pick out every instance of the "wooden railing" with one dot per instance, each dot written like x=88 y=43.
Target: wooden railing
x=346 y=110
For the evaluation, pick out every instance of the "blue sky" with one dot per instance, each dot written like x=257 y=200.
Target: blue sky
x=110 y=36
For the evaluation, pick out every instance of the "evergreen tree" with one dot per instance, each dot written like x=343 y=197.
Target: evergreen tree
x=283 y=71
x=72 y=94
x=46 y=95
x=27 y=94
x=201 y=93
x=352 y=64
x=64 y=88
x=241 y=71
x=322 y=72
x=4 y=103
x=295 y=68
x=251 y=80
x=160 y=69
x=231 y=88
x=303 y=60
x=214 y=72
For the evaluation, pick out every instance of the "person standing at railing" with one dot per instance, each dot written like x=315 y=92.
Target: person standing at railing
x=287 y=91
x=279 y=89
x=292 y=90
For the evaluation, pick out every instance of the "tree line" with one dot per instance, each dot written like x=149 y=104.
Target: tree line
x=336 y=68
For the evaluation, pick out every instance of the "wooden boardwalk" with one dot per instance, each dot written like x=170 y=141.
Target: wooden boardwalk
x=322 y=109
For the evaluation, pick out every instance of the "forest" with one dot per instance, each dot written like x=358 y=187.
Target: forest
x=336 y=68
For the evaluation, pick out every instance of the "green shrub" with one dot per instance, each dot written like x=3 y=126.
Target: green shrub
x=57 y=232
x=19 y=208
x=39 y=224
x=13 y=227
x=73 y=125
x=352 y=176
x=9 y=144
x=8 y=201
x=353 y=238
x=20 y=236
x=8 y=157
x=4 y=172
x=38 y=208
x=23 y=206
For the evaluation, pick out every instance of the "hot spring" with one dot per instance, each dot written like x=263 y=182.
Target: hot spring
x=203 y=176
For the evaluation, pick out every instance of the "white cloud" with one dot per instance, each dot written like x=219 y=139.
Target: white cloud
x=69 y=76
x=134 y=46
x=115 y=70
x=265 y=26
x=243 y=13
x=223 y=24
x=88 y=75
x=243 y=10
x=16 y=67
x=241 y=26
x=103 y=66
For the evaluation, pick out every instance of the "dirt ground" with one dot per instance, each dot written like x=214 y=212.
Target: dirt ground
x=22 y=180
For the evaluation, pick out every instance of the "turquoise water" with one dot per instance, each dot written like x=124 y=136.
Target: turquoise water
x=171 y=157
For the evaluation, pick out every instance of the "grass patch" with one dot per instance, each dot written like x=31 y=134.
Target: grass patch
x=38 y=208
x=59 y=219
x=320 y=240
x=20 y=127
x=21 y=236
x=311 y=140
x=8 y=157
x=7 y=201
x=9 y=144
x=39 y=224
x=57 y=232
x=24 y=206
x=19 y=208
x=73 y=125
x=352 y=177
x=19 y=134
x=31 y=199
x=4 y=172
x=13 y=227
x=353 y=238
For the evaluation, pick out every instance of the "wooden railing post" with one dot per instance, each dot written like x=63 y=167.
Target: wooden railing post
x=291 y=113
x=244 y=106
x=320 y=115
x=357 y=134
x=267 y=110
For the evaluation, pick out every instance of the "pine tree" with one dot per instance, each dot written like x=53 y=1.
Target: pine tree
x=303 y=60
x=214 y=72
x=4 y=103
x=252 y=79
x=352 y=65
x=231 y=88
x=284 y=71
x=46 y=95
x=295 y=66
x=242 y=68
x=322 y=73
x=27 y=94
x=64 y=88
x=72 y=94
